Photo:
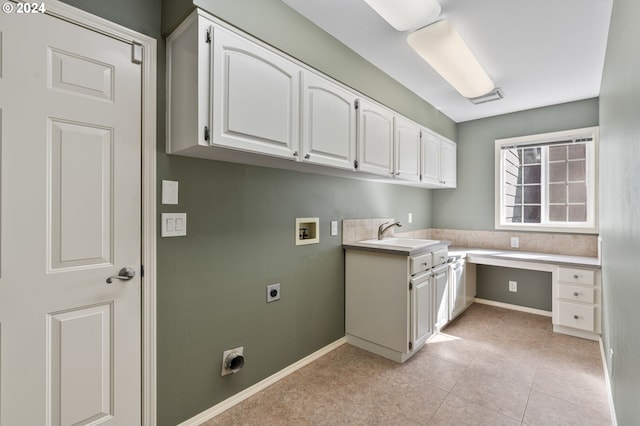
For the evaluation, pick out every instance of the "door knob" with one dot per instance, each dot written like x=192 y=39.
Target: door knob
x=125 y=274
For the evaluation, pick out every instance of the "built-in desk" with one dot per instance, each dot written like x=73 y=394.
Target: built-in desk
x=576 y=289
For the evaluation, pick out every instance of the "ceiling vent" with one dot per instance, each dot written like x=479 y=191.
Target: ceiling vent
x=494 y=95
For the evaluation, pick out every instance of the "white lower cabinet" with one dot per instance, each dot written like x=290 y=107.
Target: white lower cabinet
x=389 y=311
x=577 y=297
x=394 y=303
x=441 y=294
x=422 y=323
x=457 y=288
x=462 y=286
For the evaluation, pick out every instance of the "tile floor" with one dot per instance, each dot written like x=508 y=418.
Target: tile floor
x=491 y=366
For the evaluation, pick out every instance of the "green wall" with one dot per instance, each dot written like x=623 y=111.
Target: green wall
x=471 y=204
x=212 y=283
x=620 y=208
x=534 y=287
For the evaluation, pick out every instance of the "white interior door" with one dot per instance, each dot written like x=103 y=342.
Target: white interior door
x=70 y=200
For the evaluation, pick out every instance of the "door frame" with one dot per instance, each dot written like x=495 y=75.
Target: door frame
x=148 y=215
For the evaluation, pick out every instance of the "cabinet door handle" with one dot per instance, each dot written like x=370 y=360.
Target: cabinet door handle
x=307 y=156
x=576 y=276
x=576 y=317
x=576 y=294
x=295 y=153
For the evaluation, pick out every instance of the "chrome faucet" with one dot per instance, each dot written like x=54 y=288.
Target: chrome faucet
x=382 y=228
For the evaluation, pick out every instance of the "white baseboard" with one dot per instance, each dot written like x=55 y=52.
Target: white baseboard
x=250 y=391
x=513 y=307
x=607 y=381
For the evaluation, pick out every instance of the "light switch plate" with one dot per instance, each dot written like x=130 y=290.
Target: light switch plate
x=174 y=225
x=169 y=192
x=334 y=228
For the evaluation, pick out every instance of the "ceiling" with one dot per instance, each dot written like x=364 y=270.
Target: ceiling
x=540 y=52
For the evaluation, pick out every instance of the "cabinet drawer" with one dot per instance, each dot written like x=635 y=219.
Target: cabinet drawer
x=577 y=316
x=580 y=294
x=440 y=256
x=573 y=275
x=420 y=263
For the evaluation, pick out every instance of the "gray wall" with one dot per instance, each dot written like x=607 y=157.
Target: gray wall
x=471 y=204
x=211 y=286
x=620 y=207
x=534 y=287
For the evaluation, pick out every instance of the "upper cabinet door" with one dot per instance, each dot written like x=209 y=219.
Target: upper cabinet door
x=329 y=123
x=375 y=139
x=255 y=97
x=407 y=150
x=448 y=167
x=430 y=159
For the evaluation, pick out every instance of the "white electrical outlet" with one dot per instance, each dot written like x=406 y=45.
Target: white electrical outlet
x=513 y=286
x=515 y=242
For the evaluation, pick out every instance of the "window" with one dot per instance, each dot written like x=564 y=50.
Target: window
x=547 y=182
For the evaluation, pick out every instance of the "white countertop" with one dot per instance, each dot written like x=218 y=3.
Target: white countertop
x=522 y=256
x=390 y=249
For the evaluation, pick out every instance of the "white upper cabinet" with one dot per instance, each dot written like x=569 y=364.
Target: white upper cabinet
x=233 y=98
x=407 y=150
x=375 y=138
x=188 y=87
x=448 y=168
x=328 y=123
x=256 y=98
x=438 y=161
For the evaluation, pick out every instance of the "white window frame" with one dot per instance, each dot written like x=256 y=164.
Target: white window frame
x=589 y=227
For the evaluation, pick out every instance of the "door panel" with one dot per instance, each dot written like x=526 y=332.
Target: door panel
x=70 y=203
x=80 y=364
x=80 y=199
x=422 y=312
x=80 y=75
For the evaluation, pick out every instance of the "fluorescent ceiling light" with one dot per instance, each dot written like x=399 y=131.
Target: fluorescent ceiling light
x=442 y=47
x=404 y=15
x=494 y=95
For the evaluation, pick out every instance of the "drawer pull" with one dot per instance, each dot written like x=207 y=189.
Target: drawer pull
x=576 y=317
x=576 y=294
x=576 y=276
